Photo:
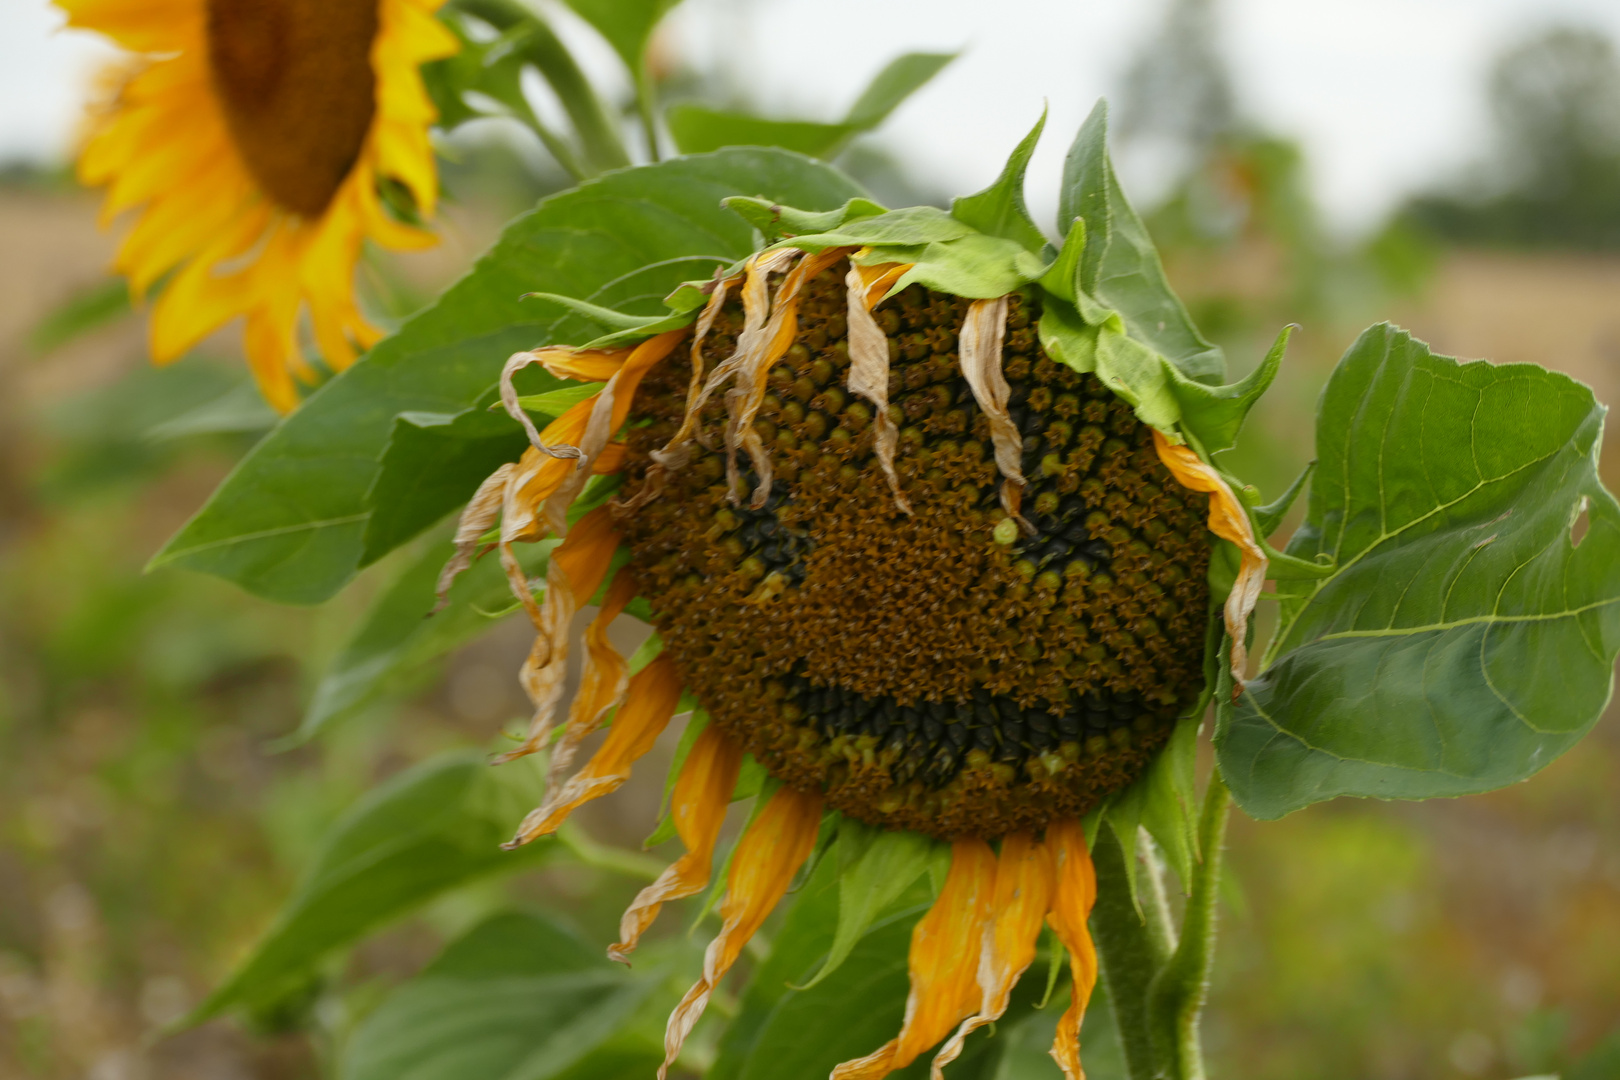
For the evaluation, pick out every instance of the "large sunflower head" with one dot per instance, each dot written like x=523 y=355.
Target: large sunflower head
x=253 y=138
x=918 y=537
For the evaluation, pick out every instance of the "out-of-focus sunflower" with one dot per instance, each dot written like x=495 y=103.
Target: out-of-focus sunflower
x=253 y=136
x=908 y=548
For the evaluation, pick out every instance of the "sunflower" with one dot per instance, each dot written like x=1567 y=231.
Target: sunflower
x=253 y=135
x=909 y=549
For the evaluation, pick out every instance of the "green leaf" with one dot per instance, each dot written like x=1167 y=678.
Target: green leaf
x=775 y=221
x=1268 y=518
x=912 y=226
x=903 y=76
x=241 y=410
x=1464 y=640
x=432 y=462
x=999 y=209
x=399 y=640
x=1120 y=267
x=699 y=129
x=289 y=524
x=516 y=998
x=976 y=266
x=429 y=829
x=556 y=402
x=86 y=310
x=1170 y=797
x=875 y=868
x=1026 y=1053
x=1603 y=1063
x=1215 y=414
x=626 y=24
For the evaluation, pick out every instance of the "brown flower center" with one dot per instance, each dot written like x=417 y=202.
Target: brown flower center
x=921 y=672
x=296 y=83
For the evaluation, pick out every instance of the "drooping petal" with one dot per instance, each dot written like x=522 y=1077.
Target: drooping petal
x=1229 y=521
x=702 y=795
x=979 y=346
x=648 y=706
x=602 y=684
x=476 y=520
x=945 y=948
x=768 y=855
x=574 y=574
x=879 y=278
x=869 y=377
x=676 y=453
x=509 y=398
x=610 y=408
x=756 y=308
x=1023 y=895
x=1074 y=891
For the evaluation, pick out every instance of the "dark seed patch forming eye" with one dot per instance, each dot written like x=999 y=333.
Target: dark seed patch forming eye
x=941 y=671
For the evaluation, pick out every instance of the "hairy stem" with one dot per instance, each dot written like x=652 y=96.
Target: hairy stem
x=1176 y=996
x=1130 y=950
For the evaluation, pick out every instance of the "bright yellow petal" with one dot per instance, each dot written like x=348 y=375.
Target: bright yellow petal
x=1229 y=521
x=647 y=708
x=1023 y=896
x=137 y=25
x=945 y=951
x=1073 y=893
x=702 y=796
x=768 y=855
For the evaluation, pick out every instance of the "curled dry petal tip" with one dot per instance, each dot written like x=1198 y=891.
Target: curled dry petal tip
x=1230 y=521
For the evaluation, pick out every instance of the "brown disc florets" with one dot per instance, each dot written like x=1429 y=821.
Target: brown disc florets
x=920 y=669
x=295 y=81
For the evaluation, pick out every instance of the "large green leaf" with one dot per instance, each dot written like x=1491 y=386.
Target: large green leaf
x=699 y=129
x=1120 y=267
x=427 y=830
x=517 y=998
x=289 y=523
x=1464 y=639
x=399 y=640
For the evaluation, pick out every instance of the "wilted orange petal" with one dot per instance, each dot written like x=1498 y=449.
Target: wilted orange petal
x=762 y=868
x=944 y=963
x=509 y=398
x=603 y=682
x=576 y=571
x=754 y=374
x=1074 y=891
x=1229 y=521
x=583 y=365
x=1022 y=898
x=674 y=454
x=610 y=408
x=702 y=795
x=878 y=279
x=611 y=459
x=648 y=705
x=537 y=475
x=476 y=520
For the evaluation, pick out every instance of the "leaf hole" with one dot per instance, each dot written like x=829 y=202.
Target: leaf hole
x=1577 y=527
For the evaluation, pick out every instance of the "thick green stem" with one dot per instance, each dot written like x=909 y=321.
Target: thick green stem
x=540 y=47
x=1175 y=1000
x=645 y=106
x=1131 y=949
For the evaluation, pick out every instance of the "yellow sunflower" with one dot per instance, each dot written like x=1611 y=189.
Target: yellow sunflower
x=253 y=136
x=924 y=574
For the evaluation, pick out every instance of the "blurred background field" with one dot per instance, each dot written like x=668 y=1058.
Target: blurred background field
x=154 y=817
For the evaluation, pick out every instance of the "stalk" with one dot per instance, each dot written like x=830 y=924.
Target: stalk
x=1176 y=997
x=644 y=106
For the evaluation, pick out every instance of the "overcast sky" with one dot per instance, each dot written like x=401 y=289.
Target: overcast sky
x=1386 y=95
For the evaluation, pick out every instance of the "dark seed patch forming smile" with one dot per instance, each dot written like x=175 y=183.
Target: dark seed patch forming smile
x=944 y=670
